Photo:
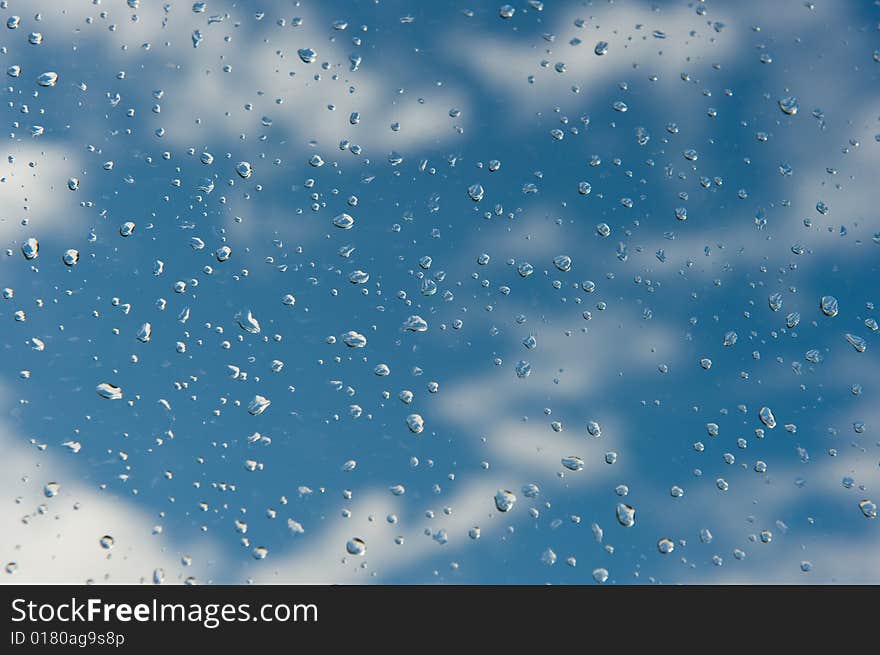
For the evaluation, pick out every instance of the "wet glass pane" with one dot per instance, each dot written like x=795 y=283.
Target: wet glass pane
x=410 y=292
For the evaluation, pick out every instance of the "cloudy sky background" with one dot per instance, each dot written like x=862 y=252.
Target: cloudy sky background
x=442 y=89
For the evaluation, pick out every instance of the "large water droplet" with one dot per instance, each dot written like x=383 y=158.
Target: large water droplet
x=829 y=306
x=258 y=405
x=626 y=515
x=505 y=500
x=767 y=418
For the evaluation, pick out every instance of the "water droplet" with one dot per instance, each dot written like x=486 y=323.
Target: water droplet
x=869 y=509
x=626 y=515
x=415 y=324
x=244 y=169
x=258 y=405
x=415 y=423
x=344 y=221
x=505 y=500
x=562 y=263
x=857 y=342
x=354 y=339
x=829 y=307
x=70 y=257
x=775 y=301
x=48 y=78
x=789 y=105
x=573 y=463
x=30 y=248
x=358 y=277
x=307 y=55
x=356 y=546
x=506 y=11
x=247 y=322
x=109 y=391
x=144 y=333
x=767 y=418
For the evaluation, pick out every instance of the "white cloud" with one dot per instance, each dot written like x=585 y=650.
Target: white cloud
x=56 y=540
x=34 y=187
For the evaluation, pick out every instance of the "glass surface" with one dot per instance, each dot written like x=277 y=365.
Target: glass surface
x=440 y=292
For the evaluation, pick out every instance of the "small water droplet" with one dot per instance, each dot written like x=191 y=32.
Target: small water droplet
x=109 y=391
